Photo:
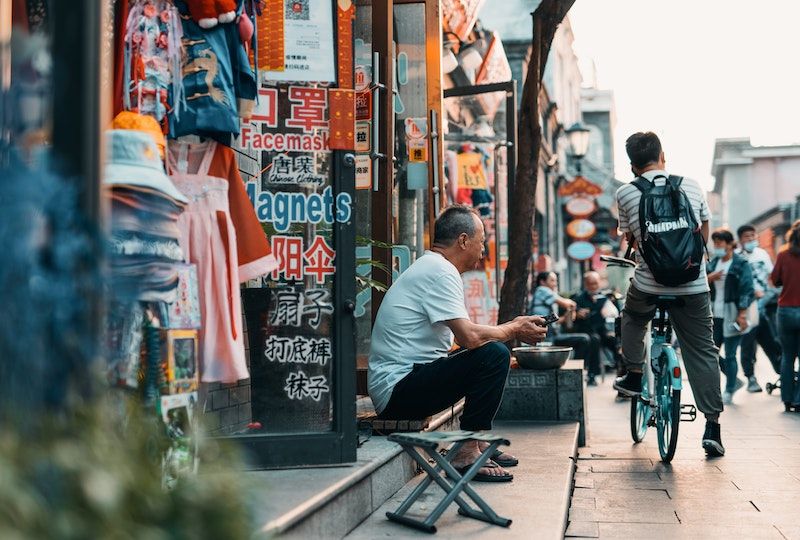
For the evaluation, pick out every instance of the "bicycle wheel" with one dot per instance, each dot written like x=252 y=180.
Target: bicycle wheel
x=640 y=414
x=668 y=415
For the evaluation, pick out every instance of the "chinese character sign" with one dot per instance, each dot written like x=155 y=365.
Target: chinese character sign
x=290 y=313
x=480 y=297
x=470 y=171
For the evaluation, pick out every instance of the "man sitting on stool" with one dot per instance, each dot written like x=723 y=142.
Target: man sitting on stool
x=411 y=375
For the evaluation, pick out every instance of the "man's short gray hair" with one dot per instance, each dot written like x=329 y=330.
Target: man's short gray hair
x=454 y=221
x=589 y=273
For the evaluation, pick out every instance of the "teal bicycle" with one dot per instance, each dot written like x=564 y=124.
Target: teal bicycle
x=659 y=404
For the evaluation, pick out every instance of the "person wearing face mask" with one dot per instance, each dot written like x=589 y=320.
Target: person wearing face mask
x=731 y=282
x=764 y=334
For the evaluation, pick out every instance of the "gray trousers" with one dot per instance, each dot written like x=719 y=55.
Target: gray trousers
x=695 y=330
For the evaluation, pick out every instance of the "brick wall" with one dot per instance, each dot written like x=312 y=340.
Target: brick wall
x=227 y=406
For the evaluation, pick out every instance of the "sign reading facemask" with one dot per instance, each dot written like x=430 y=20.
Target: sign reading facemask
x=289 y=312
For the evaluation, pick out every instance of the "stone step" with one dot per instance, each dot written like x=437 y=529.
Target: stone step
x=328 y=502
x=537 y=500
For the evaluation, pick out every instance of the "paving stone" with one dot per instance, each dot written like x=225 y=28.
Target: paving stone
x=639 y=514
x=789 y=531
x=751 y=492
x=582 y=529
x=622 y=493
x=713 y=531
x=584 y=503
x=613 y=466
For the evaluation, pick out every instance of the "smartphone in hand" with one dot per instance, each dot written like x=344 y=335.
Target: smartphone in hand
x=550 y=319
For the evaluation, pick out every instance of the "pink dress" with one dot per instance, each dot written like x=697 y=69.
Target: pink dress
x=208 y=239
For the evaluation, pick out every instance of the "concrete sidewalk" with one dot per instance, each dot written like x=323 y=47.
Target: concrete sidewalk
x=536 y=500
x=622 y=490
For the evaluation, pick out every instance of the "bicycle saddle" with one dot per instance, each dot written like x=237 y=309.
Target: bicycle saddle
x=665 y=300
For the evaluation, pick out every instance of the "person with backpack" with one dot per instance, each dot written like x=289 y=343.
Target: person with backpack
x=666 y=218
x=732 y=295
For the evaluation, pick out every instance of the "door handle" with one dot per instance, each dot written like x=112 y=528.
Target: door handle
x=375 y=90
x=433 y=136
x=349 y=306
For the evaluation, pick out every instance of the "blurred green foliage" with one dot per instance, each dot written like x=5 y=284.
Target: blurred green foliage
x=96 y=473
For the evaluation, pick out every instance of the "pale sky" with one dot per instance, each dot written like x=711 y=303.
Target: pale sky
x=694 y=71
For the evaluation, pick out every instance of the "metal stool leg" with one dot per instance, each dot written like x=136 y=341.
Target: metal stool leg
x=486 y=514
x=420 y=489
x=453 y=484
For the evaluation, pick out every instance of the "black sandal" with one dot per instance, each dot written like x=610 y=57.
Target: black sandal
x=483 y=477
x=509 y=461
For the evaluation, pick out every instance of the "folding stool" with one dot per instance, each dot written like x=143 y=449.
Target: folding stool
x=451 y=481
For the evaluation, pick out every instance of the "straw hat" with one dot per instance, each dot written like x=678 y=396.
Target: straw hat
x=132 y=159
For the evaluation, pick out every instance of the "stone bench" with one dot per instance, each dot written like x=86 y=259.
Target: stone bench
x=547 y=395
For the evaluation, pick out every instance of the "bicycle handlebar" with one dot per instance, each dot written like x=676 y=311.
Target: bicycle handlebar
x=617 y=261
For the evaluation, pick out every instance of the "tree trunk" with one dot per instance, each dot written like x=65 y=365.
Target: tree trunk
x=513 y=296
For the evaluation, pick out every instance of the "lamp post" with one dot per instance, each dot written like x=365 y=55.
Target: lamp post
x=578 y=136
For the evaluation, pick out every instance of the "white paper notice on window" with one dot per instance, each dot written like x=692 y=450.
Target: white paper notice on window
x=309 y=46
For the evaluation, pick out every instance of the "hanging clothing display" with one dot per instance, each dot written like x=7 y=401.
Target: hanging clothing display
x=145 y=206
x=219 y=84
x=220 y=233
x=152 y=82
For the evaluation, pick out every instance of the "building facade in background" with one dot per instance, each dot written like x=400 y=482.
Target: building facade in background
x=753 y=183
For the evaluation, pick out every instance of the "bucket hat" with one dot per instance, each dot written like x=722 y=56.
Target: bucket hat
x=133 y=159
x=141 y=122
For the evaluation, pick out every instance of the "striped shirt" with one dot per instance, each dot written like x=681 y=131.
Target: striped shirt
x=628 y=197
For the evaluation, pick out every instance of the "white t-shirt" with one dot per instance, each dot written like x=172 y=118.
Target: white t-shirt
x=628 y=197
x=761 y=265
x=410 y=328
x=719 y=289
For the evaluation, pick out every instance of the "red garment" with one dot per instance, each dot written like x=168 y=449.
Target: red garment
x=121 y=10
x=252 y=245
x=787 y=274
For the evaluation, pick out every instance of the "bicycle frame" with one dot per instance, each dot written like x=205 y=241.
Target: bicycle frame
x=660 y=342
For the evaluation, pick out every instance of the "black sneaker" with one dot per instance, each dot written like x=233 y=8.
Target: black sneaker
x=712 y=441
x=630 y=384
x=591 y=380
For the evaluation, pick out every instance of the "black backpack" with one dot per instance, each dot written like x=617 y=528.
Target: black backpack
x=672 y=244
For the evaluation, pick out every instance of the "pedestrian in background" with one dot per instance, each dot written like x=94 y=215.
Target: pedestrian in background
x=764 y=334
x=787 y=274
x=731 y=296
x=594 y=308
x=546 y=300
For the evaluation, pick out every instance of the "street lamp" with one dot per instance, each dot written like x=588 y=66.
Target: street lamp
x=578 y=136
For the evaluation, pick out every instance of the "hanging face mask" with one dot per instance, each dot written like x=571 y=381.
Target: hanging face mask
x=718 y=251
x=750 y=246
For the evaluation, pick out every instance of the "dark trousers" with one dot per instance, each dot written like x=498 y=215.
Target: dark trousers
x=581 y=349
x=694 y=327
x=764 y=334
x=789 y=330
x=598 y=341
x=728 y=364
x=479 y=375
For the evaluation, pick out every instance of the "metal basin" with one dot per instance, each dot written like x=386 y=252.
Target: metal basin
x=541 y=357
